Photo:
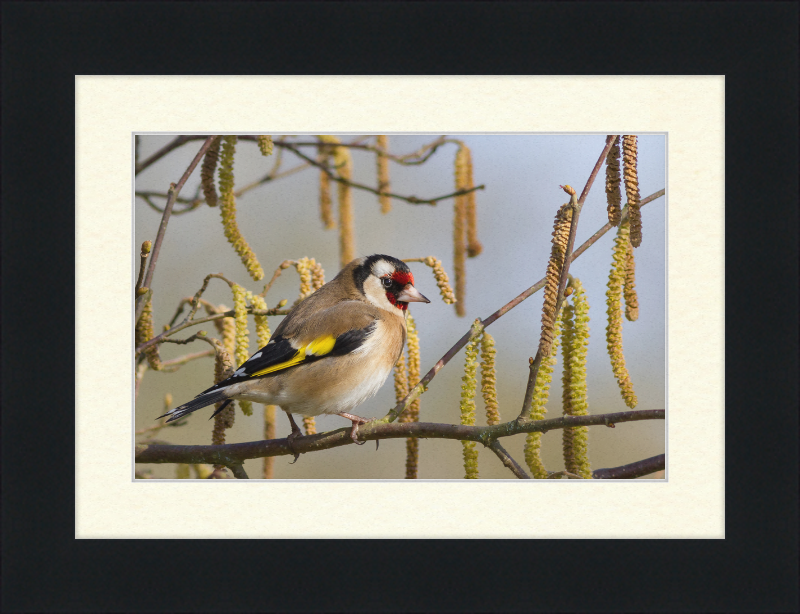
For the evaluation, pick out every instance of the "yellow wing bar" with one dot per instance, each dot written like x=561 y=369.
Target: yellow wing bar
x=319 y=347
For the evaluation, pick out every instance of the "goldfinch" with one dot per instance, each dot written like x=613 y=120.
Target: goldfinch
x=332 y=352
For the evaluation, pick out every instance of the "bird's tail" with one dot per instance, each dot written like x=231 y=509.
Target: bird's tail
x=203 y=400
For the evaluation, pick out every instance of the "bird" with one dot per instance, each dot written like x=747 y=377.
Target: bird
x=332 y=352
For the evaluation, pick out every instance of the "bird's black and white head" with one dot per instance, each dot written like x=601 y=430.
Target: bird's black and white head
x=387 y=283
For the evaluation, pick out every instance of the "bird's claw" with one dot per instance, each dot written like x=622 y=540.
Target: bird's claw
x=296 y=432
x=290 y=440
x=356 y=420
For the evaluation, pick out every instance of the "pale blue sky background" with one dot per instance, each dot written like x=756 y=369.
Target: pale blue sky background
x=522 y=173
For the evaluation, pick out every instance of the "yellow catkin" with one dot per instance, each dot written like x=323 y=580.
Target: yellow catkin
x=305 y=268
x=343 y=163
x=460 y=231
x=489 y=379
x=262 y=323
x=474 y=246
x=629 y=157
x=468 y=388
x=267 y=466
x=382 y=143
x=613 y=192
x=412 y=343
x=242 y=336
x=442 y=281
x=223 y=369
x=412 y=413
x=310 y=425
x=182 y=471
x=347 y=248
x=317 y=276
x=325 y=203
x=228 y=210
x=541 y=392
x=554 y=266
x=144 y=332
x=207 y=172
x=226 y=327
x=400 y=381
x=629 y=288
x=614 y=312
x=265 y=144
x=575 y=343
x=401 y=389
x=263 y=334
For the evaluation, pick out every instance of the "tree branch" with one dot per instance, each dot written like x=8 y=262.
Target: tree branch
x=233 y=453
x=632 y=470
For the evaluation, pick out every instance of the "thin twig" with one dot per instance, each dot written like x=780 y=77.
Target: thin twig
x=283 y=265
x=174 y=190
x=157 y=427
x=142 y=264
x=174 y=144
x=421 y=155
x=632 y=470
x=197 y=200
x=173 y=365
x=411 y=159
x=195 y=302
x=217 y=316
x=238 y=452
x=508 y=460
x=409 y=199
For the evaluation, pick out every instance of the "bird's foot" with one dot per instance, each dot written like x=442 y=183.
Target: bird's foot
x=296 y=432
x=356 y=420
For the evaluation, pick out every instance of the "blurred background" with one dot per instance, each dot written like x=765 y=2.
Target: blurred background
x=280 y=220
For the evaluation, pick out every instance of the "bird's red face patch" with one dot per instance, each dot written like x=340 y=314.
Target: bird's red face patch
x=400 y=279
x=393 y=300
x=403 y=278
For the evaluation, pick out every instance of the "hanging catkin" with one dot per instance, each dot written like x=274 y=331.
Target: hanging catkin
x=613 y=192
x=575 y=343
x=629 y=288
x=228 y=210
x=381 y=144
x=614 y=327
x=468 y=388
x=629 y=157
x=561 y=228
x=489 y=379
x=207 y=172
x=460 y=230
x=325 y=203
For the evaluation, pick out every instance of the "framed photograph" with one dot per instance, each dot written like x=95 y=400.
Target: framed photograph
x=528 y=94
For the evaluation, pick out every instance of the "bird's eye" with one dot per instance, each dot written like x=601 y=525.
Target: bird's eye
x=386 y=281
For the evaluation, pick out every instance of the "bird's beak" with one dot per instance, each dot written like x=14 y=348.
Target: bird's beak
x=410 y=294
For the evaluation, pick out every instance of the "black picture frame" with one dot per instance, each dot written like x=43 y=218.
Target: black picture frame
x=45 y=568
